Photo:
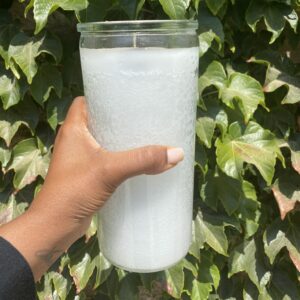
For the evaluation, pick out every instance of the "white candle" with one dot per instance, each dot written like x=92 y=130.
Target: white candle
x=137 y=97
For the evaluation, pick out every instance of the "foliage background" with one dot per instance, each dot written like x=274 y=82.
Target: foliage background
x=246 y=230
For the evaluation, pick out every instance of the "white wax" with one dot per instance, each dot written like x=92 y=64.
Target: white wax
x=137 y=97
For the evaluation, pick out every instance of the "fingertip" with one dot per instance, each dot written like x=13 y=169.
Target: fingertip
x=175 y=155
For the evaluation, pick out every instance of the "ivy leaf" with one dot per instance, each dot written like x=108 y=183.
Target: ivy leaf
x=51 y=45
x=28 y=163
x=210 y=29
x=294 y=147
x=103 y=269
x=47 y=78
x=198 y=238
x=11 y=210
x=23 y=50
x=212 y=232
x=11 y=90
x=92 y=228
x=7 y=32
x=130 y=7
x=205 y=128
x=255 y=146
x=57 y=108
x=87 y=260
x=276 y=79
x=175 y=280
x=280 y=73
x=247 y=258
x=200 y=290
x=283 y=286
x=248 y=210
x=129 y=287
x=175 y=9
x=286 y=190
x=208 y=271
x=43 y=8
x=215 y=5
x=275 y=16
x=5 y=154
x=95 y=11
x=243 y=88
x=24 y=113
x=246 y=90
x=82 y=271
x=283 y=234
x=214 y=75
x=61 y=285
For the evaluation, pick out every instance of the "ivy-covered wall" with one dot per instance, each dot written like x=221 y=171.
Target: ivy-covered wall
x=246 y=230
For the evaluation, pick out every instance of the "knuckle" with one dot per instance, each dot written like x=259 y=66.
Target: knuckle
x=150 y=156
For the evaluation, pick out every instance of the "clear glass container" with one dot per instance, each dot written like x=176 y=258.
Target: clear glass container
x=140 y=81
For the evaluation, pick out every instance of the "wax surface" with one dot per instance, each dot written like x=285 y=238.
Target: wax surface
x=137 y=97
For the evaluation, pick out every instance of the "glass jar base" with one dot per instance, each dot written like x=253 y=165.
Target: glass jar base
x=136 y=270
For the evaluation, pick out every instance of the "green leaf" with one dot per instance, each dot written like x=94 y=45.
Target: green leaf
x=82 y=272
x=200 y=290
x=175 y=280
x=61 y=285
x=210 y=29
x=7 y=32
x=11 y=90
x=221 y=188
x=5 y=155
x=103 y=269
x=247 y=258
x=255 y=146
x=243 y=88
x=212 y=232
x=129 y=287
x=294 y=146
x=248 y=210
x=10 y=121
x=175 y=9
x=286 y=190
x=23 y=50
x=198 y=238
x=57 y=109
x=283 y=234
x=95 y=11
x=283 y=286
x=205 y=128
x=280 y=73
x=246 y=90
x=28 y=163
x=47 y=78
x=51 y=45
x=130 y=7
x=215 y=5
x=214 y=75
x=43 y=8
x=11 y=210
x=275 y=16
x=209 y=277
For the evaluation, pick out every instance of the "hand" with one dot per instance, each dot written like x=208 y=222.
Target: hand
x=81 y=177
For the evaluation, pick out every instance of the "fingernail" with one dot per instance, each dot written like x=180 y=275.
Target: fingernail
x=175 y=155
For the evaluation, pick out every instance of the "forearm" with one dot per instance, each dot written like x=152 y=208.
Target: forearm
x=41 y=237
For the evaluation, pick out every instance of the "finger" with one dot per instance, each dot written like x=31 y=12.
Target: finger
x=77 y=113
x=146 y=160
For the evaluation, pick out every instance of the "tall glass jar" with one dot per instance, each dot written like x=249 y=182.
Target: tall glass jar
x=140 y=82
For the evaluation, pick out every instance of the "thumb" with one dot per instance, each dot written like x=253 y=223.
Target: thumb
x=146 y=160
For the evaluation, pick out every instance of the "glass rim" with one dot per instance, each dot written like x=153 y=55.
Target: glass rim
x=139 y=25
